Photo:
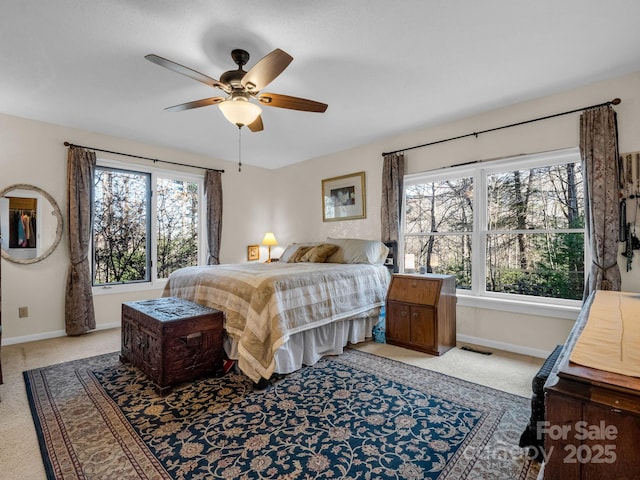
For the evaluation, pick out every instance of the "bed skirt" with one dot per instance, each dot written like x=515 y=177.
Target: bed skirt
x=306 y=348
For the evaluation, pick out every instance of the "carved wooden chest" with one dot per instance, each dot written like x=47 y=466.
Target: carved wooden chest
x=172 y=340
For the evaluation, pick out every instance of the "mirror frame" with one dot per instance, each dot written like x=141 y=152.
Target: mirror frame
x=56 y=212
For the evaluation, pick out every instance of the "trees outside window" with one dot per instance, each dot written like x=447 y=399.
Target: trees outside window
x=438 y=226
x=145 y=224
x=511 y=227
x=535 y=232
x=177 y=225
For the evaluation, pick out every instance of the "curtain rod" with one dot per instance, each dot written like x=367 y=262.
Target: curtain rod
x=154 y=160
x=615 y=101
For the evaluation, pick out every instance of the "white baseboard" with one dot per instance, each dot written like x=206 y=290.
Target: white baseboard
x=483 y=342
x=508 y=347
x=52 y=334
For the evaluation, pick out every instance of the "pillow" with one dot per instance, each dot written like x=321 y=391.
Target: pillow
x=288 y=252
x=299 y=253
x=356 y=250
x=291 y=249
x=319 y=253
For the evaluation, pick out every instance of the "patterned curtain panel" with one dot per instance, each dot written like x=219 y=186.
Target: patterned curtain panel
x=599 y=151
x=78 y=308
x=213 y=192
x=392 y=186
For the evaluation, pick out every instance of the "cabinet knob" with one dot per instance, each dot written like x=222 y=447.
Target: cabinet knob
x=414 y=315
x=414 y=283
x=403 y=313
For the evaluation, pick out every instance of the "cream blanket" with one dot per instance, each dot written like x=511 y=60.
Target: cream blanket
x=266 y=303
x=611 y=335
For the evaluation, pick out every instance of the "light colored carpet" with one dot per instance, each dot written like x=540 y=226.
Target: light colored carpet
x=19 y=451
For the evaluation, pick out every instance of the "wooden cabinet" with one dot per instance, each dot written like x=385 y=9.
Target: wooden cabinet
x=592 y=428
x=421 y=312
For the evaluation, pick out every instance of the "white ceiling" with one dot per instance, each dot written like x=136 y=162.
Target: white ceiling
x=384 y=67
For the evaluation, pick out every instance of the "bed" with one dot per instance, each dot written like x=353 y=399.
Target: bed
x=280 y=316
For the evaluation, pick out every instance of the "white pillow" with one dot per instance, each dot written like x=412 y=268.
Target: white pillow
x=356 y=250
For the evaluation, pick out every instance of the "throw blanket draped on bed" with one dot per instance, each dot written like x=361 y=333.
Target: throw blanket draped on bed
x=266 y=303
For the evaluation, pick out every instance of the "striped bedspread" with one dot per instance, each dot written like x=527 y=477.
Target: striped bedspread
x=265 y=303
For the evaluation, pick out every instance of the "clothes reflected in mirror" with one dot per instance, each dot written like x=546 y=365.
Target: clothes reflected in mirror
x=30 y=224
x=23 y=228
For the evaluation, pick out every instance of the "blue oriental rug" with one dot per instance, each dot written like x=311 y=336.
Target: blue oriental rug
x=354 y=416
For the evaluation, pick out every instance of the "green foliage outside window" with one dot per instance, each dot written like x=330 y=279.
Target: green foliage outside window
x=532 y=229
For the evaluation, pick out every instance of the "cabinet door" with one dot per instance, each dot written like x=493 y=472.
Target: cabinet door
x=423 y=326
x=611 y=447
x=562 y=413
x=398 y=321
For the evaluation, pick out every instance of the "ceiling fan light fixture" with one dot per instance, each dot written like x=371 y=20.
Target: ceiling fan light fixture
x=240 y=111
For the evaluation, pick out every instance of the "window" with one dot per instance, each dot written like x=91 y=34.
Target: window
x=512 y=228
x=146 y=224
x=439 y=226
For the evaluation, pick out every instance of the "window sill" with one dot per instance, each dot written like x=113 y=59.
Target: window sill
x=128 y=288
x=567 y=312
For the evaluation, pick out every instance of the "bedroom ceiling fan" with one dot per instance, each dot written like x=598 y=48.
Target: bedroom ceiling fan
x=242 y=87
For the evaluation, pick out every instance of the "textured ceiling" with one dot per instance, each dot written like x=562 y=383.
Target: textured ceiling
x=383 y=67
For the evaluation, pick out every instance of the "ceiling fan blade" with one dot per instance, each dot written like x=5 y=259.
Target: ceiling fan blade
x=195 y=104
x=256 y=125
x=293 y=103
x=266 y=70
x=181 y=69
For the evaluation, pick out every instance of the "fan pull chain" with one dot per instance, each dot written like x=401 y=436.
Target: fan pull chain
x=239 y=148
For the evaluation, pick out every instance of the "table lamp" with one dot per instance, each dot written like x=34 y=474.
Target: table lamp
x=269 y=240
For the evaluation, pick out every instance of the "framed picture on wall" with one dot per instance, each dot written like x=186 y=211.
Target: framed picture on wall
x=253 y=252
x=343 y=198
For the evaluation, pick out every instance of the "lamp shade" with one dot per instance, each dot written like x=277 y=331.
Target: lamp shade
x=409 y=261
x=240 y=111
x=269 y=239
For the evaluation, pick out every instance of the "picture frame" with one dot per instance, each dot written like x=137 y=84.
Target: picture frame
x=343 y=198
x=253 y=252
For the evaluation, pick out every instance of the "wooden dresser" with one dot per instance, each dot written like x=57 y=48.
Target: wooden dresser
x=172 y=340
x=421 y=312
x=592 y=418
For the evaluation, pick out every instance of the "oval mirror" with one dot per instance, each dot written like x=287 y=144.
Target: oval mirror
x=30 y=224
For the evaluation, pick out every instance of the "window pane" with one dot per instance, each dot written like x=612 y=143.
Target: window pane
x=444 y=254
x=538 y=198
x=545 y=265
x=177 y=225
x=443 y=206
x=121 y=217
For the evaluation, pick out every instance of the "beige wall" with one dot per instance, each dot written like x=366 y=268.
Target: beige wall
x=519 y=332
x=33 y=152
x=288 y=202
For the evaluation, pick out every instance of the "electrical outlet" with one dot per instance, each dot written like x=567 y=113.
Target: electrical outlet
x=23 y=312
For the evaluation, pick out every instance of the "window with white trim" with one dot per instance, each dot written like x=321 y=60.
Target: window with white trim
x=146 y=223
x=512 y=228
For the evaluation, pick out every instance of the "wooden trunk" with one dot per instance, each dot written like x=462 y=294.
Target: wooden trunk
x=421 y=312
x=172 y=340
